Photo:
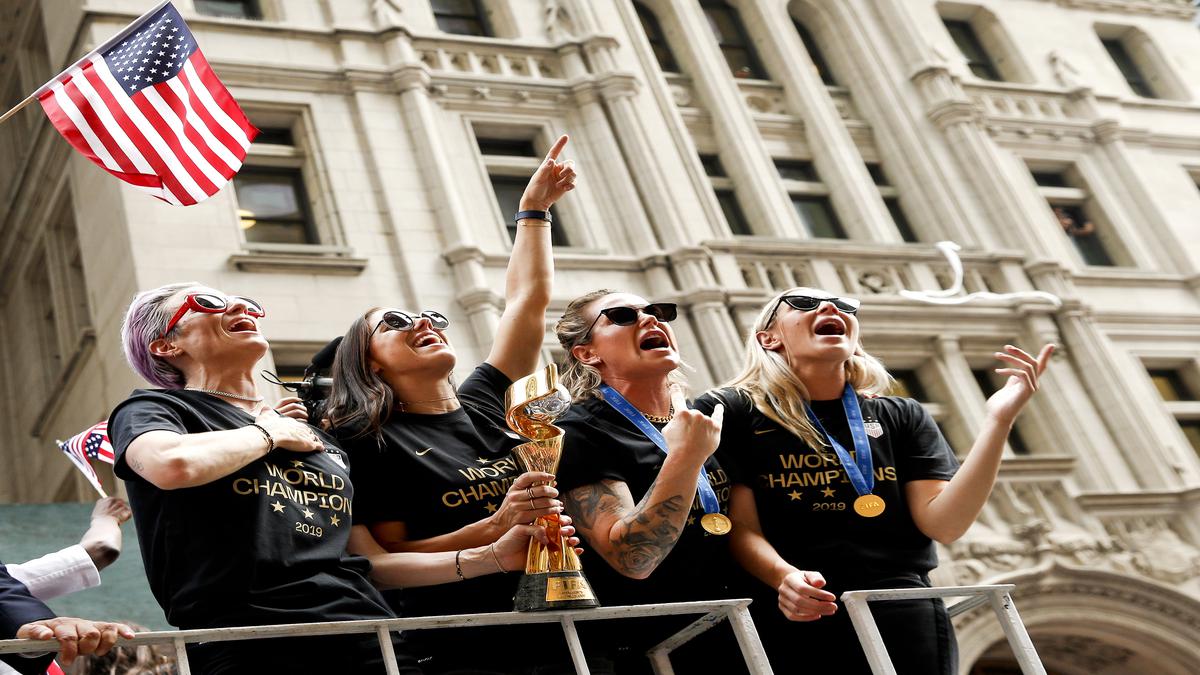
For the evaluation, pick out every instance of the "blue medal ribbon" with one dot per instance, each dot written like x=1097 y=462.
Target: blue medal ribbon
x=860 y=469
x=708 y=496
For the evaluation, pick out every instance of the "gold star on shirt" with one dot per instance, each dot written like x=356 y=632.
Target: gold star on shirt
x=491 y=508
x=691 y=520
x=277 y=506
x=828 y=492
x=308 y=514
x=483 y=461
x=794 y=495
x=334 y=521
x=297 y=463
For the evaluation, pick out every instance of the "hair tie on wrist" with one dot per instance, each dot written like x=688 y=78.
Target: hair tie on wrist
x=458 y=565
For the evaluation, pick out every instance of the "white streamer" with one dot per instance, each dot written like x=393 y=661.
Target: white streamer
x=953 y=295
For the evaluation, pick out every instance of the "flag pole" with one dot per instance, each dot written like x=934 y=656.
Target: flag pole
x=107 y=43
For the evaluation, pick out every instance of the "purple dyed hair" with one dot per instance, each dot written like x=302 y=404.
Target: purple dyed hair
x=145 y=321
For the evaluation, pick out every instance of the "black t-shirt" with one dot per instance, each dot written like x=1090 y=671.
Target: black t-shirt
x=264 y=545
x=436 y=474
x=601 y=444
x=805 y=500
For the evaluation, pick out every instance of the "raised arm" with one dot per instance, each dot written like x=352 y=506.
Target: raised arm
x=943 y=510
x=635 y=538
x=530 y=277
x=172 y=461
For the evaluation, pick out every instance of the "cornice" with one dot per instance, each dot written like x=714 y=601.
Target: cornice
x=1179 y=9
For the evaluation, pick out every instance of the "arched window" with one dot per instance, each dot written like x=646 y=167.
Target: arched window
x=818 y=59
x=658 y=41
x=731 y=35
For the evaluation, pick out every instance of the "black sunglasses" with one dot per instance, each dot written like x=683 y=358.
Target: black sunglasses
x=401 y=321
x=664 y=312
x=807 y=303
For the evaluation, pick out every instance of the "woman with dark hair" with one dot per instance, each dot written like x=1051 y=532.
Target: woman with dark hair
x=244 y=514
x=638 y=477
x=837 y=487
x=433 y=464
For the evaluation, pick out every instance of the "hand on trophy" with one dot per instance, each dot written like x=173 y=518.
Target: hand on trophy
x=512 y=548
x=691 y=431
x=530 y=497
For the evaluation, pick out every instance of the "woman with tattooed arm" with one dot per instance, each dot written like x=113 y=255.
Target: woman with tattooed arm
x=638 y=476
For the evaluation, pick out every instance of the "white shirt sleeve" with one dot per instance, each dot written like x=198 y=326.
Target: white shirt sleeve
x=57 y=574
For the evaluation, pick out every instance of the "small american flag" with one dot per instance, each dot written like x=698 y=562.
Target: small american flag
x=147 y=108
x=92 y=443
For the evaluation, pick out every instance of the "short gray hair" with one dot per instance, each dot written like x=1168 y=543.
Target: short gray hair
x=145 y=321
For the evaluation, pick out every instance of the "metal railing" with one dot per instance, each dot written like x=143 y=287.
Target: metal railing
x=999 y=596
x=714 y=612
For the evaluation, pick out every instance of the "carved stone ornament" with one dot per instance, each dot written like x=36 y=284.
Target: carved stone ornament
x=387 y=13
x=1064 y=71
x=559 y=25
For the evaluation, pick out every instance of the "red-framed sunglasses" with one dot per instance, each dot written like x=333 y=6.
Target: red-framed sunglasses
x=208 y=303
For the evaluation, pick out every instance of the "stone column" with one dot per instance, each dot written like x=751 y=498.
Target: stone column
x=743 y=152
x=835 y=154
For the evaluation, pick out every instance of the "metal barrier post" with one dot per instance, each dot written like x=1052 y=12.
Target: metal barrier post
x=388 y=651
x=868 y=632
x=1017 y=636
x=181 y=657
x=747 y=637
x=577 y=656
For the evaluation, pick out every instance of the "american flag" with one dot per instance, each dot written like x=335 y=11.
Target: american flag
x=91 y=443
x=147 y=108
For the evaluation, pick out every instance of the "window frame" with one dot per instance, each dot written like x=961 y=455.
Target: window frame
x=809 y=191
x=754 y=64
x=306 y=220
x=1080 y=196
x=480 y=15
x=649 y=22
x=989 y=66
x=516 y=168
x=258 y=13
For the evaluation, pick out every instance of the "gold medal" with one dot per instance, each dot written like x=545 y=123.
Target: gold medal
x=716 y=523
x=869 y=506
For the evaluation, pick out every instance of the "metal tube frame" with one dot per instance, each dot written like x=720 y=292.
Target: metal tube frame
x=999 y=596
x=714 y=611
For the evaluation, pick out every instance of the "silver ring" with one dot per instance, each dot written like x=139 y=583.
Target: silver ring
x=531 y=497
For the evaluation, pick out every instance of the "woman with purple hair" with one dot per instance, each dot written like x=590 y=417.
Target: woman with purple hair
x=244 y=512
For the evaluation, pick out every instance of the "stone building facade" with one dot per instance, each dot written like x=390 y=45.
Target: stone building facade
x=728 y=150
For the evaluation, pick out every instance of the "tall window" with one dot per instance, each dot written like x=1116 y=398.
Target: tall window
x=1129 y=69
x=235 y=9
x=891 y=199
x=818 y=59
x=810 y=198
x=723 y=188
x=978 y=60
x=658 y=41
x=735 y=43
x=273 y=204
x=509 y=164
x=989 y=384
x=1078 y=215
x=460 y=17
x=1180 y=395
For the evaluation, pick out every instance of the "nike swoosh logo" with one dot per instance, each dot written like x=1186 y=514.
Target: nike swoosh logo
x=762 y=431
x=422 y=453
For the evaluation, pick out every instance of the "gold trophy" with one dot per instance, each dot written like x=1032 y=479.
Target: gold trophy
x=553 y=577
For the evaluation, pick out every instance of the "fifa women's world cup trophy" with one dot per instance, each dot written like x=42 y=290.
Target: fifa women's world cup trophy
x=553 y=575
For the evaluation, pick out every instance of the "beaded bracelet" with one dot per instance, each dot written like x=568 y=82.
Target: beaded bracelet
x=267 y=434
x=458 y=565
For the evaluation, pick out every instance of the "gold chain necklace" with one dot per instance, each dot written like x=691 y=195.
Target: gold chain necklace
x=660 y=419
x=226 y=394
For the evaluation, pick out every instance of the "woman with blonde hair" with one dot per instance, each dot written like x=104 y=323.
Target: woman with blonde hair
x=637 y=473
x=834 y=479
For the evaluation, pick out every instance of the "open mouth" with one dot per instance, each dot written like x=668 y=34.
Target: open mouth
x=427 y=340
x=830 y=326
x=654 y=340
x=243 y=326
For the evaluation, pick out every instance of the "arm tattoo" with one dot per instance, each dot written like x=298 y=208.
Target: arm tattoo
x=642 y=537
x=136 y=465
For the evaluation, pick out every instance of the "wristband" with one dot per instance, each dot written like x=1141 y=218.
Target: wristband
x=267 y=434
x=533 y=215
x=458 y=565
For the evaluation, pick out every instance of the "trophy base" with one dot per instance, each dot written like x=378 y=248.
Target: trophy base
x=542 y=591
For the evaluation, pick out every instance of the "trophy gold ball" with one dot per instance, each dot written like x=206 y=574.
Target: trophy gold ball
x=553 y=576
